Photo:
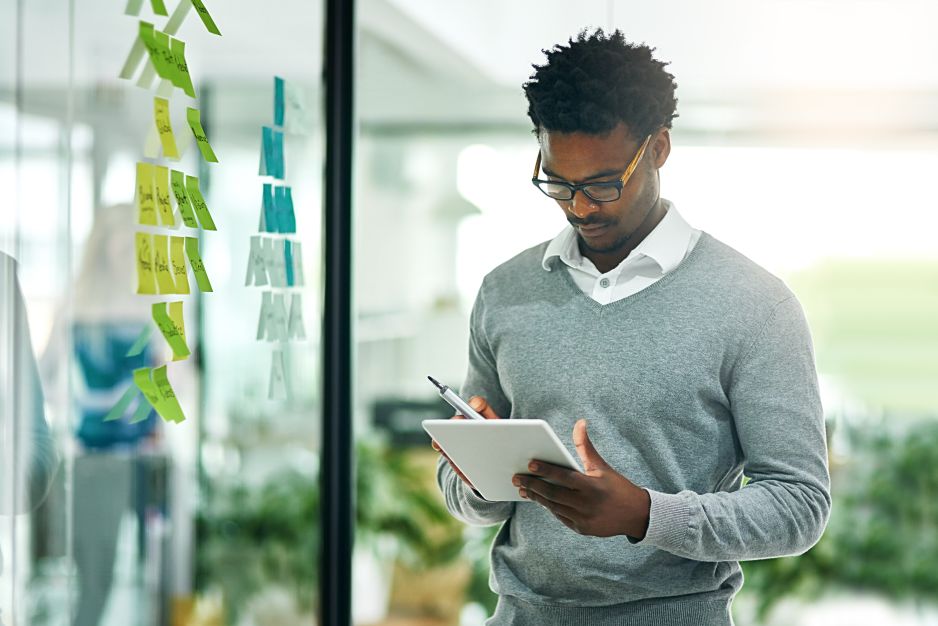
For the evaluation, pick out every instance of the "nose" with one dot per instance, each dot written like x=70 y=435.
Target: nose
x=582 y=205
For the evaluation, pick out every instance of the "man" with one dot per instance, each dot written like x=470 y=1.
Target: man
x=677 y=364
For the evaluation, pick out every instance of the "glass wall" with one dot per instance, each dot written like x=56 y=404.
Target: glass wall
x=809 y=152
x=129 y=516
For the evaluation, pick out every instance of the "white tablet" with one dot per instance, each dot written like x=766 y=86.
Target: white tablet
x=490 y=452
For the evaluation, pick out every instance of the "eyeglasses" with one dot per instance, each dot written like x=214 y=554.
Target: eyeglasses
x=609 y=191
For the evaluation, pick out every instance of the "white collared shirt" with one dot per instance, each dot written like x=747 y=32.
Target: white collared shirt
x=659 y=253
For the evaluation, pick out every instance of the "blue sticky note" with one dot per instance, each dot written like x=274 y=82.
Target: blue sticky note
x=288 y=260
x=280 y=170
x=280 y=204
x=289 y=214
x=269 y=168
x=278 y=101
x=270 y=213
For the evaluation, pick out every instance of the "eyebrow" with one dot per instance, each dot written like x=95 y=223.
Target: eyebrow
x=603 y=174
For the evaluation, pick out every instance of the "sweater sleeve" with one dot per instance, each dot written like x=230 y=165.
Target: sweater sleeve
x=463 y=502
x=783 y=510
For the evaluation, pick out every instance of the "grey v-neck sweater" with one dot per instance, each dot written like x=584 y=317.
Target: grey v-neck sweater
x=703 y=376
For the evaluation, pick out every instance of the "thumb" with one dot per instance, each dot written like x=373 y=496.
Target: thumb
x=482 y=405
x=592 y=461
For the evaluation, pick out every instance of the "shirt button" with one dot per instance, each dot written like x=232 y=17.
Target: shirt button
x=604 y=282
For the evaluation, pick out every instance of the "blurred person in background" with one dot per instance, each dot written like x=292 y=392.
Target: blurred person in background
x=689 y=364
x=28 y=459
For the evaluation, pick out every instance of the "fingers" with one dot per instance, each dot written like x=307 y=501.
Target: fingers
x=553 y=506
x=482 y=405
x=563 y=476
x=548 y=491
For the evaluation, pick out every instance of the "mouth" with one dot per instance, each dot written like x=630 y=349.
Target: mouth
x=593 y=230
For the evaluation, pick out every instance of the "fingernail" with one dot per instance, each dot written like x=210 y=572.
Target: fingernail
x=516 y=482
x=532 y=467
x=475 y=402
x=523 y=493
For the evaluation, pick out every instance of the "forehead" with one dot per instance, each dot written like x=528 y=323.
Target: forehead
x=578 y=156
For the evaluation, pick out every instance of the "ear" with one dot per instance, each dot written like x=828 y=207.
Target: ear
x=660 y=147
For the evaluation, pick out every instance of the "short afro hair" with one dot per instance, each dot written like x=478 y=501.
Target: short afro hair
x=597 y=81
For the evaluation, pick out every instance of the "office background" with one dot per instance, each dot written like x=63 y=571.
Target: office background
x=806 y=139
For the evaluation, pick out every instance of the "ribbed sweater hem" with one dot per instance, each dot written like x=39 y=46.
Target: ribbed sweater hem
x=712 y=611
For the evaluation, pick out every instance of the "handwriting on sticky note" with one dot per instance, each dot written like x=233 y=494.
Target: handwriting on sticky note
x=198 y=268
x=164 y=276
x=198 y=203
x=168 y=407
x=178 y=183
x=173 y=331
x=146 y=203
x=195 y=123
x=177 y=259
x=178 y=48
x=206 y=18
x=161 y=180
x=165 y=128
x=146 y=278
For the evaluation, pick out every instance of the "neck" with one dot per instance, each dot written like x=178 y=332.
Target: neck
x=605 y=261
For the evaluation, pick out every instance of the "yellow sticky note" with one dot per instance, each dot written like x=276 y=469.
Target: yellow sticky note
x=146 y=385
x=195 y=259
x=173 y=331
x=206 y=18
x=168 y=408
x=161 y=180
x=195 y=123
x=146 y=279
x=164 y=277
x=165 y=128
x=146 y=203
x=198 y=203
x=177 y=258
x=178 y=182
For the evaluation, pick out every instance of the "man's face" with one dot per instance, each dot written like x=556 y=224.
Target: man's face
x=577 y=158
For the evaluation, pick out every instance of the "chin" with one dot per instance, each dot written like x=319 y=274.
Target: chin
x=605 y=245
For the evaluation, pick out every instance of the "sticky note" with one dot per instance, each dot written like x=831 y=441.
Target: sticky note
x=167 y=68
x=146 y=277
x=159 y=57
x=257 y=270
x=151 y=147
x=146 y=203
x=289 y=214
x=177 y=259
x=279 y=208
x=158 y=7
x=274 y=260
x=272 y=321
x=206 y=18
x=295 y=116
x=168 y=406
x=278 y=101
x=295 y=326
x=178 y=183
x=141 y=341
x=271 y=222
x=279 y=167
x=198 y=203
x=195 y=123
x=277 y=388
x=133 y=7
x=146 y=386
x=165 y=128
x=298 y=264
x=288 y=260
x=136 y=54
x=266 y=167
x=177 y=18
x=201 y=278
x=164 y=277
x=178 y=48
x=161 y=186
x=173 y=331
x=120 y=408
x=263 y=318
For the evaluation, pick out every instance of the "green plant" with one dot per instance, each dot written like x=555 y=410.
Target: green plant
x=883 y=532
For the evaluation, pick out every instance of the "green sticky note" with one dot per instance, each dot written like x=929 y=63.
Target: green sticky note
x=195 y=260
x=159 y=7
x=198 y=203
x=195 y=123
x=141 y=341
x=169 y=69
x=146 y=385
x=161 y=185
x=174 y=335
x=133 y=7
x=146 y=203
x=168 y=407
x=165 y=128
x=120 y=408
x=177 y=260
x=206 y=18
x=178 y=48
x=142 y=412
x=158 y=56
x=178 y=183
x=164 y=277
x=146 y=277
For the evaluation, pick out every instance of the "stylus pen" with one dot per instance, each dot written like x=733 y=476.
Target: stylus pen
x=455 y=401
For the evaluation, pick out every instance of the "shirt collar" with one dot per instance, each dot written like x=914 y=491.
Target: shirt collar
x=666 y=244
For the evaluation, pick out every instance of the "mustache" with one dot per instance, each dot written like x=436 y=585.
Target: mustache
x=576 y=222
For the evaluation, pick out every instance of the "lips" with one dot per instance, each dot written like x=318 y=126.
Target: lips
x=592 y=230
